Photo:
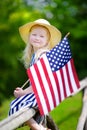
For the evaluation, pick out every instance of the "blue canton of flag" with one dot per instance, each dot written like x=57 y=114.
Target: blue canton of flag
x=59 y=55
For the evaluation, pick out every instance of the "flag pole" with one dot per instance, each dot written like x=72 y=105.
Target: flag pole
x=67 y=34
x=25 y=83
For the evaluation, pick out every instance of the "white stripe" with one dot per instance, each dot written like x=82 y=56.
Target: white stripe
x=21 y=105
x=21 y=99
x=44 y=80
x=16 y=102
x=35 y=103
x=66 y=81
x=60 y=85
x=38 y=88
x=14 y=110
x=52 y=80
x=72 y=77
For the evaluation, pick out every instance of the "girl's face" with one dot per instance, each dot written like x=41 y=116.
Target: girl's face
x=39 y=37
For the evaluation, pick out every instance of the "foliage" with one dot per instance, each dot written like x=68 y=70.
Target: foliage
x=67 y=16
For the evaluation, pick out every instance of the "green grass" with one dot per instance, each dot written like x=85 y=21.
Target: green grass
x=65 y=115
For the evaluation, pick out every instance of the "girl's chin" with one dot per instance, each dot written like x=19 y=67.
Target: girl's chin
x=37 y=46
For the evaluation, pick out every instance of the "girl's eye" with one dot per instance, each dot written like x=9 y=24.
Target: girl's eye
x=34 y=34
x=41 y=36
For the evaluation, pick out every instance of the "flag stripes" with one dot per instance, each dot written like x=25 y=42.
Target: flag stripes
x=51 y=87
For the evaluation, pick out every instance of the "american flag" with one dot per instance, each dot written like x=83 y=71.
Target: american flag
x=54 y=77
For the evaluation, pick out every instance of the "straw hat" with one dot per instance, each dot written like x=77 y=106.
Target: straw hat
x=54 y=32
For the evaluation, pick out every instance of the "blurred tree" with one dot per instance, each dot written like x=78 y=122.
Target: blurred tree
x=72 y=16
x=67 y=16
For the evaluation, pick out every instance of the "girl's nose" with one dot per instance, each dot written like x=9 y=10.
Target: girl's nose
x=37 y=37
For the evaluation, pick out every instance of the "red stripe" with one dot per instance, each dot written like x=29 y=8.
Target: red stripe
x=49 y=81
x=63 y=82
x=42 y=87
x=35 y=90
x=68 y=76
x=57 y=85
x=75 y=74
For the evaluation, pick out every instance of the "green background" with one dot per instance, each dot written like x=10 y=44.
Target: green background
x=67 y=16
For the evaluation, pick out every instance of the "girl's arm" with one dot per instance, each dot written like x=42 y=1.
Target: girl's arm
x=28 y=90
x=18 y=92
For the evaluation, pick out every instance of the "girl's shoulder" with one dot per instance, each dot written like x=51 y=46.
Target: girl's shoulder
x=40 y=53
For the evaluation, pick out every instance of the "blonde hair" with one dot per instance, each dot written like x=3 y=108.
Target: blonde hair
x=28 y=51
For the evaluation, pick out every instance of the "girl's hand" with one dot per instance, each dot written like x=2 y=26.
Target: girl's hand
x=18 y=92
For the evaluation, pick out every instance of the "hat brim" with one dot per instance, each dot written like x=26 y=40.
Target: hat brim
x=54 y=32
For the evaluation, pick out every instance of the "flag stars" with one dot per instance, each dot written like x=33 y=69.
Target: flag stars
x=54 y=49
x=51 y=55
x=53 y=60
x=54 y=57
x=58 y=59
x=53 y=52
x=60 y=47
x=64 y=46
x=59 y=63
x=56 y=54
x=58 y=67
x=56 y=62
x=62 y=64
x=48 y=55
x=64 y=53
x=49 y=59
x=58 y=51
x=61 y=44
x=59 y=55
x=51 y=63
x=61 y=52
x=53 y=69
x=54 y=65
x=66 y=43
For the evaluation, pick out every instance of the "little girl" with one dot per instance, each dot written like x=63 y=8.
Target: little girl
x=40 y=36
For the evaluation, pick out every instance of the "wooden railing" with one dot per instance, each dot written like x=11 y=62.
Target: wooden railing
x=17 y=119
x=82 y=122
